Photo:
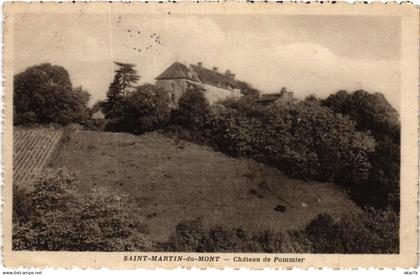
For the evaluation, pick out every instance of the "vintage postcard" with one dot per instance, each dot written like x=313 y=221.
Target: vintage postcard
x=210 y=135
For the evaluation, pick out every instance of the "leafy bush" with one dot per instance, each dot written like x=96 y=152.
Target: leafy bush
x=370 y=111
x=44 y=94
x=145 y=109
x=323 y=233
x=372 y=231
x=191 y=236
x=382 y=188
x=50 y=215
x=125 y=78
x=188 y=236
x=341 y=151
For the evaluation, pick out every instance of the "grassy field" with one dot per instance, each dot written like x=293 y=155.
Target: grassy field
x=171 y=181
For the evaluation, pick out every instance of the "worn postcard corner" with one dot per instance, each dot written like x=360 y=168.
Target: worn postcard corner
x=210 y=135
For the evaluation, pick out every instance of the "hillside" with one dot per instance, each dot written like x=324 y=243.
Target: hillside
x=171 y=181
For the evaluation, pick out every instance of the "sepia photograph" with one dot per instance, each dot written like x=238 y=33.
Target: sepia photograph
x=176 y=131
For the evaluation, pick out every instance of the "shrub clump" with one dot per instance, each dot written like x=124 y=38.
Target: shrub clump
x=371 y=231
x=192 y=236
x=193 y=110
x=50 y=215
x=372 y=113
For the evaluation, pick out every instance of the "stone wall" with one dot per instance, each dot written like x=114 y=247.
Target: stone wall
x=214 y=94
x=175 y=87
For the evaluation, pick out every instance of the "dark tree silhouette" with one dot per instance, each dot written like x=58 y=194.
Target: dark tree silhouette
x=371 y=112
x=144 y=109
x=193 y=109
x=374 y=114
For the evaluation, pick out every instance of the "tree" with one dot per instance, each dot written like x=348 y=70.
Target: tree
x=371 y=231
x=81 y=98
x=341 y=151
x=311 y=98
x=44 y=94
x=47 y=215
x=193 y=109
x=124 y=79
x=246 y=104
x=373 y=113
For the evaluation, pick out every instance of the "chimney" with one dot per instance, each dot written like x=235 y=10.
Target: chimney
x=200 y=64
x=283 y=91
x=215 y=68
x=229 y=74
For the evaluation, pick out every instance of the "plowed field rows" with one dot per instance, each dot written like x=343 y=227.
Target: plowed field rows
x=31 y=151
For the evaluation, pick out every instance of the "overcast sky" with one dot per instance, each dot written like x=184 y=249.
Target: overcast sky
x=307 y=54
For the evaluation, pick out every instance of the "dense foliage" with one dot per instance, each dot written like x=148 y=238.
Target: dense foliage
x=144 y=109
x=51 y=215
x=367 y=232
x=372 y=231
x=371 y=112
x=44 y=94
x=193 y=110
x=303 y=139
x=192 y=236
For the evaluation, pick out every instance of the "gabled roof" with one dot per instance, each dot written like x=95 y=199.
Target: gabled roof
x=199 y=73
x=177 y=70
x=214 y=78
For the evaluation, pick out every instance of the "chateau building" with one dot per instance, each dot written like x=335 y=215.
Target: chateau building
x=178 y=78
